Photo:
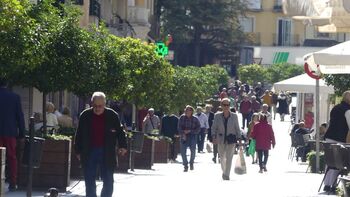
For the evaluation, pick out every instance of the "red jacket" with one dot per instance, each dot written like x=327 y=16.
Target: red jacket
x=264 y=136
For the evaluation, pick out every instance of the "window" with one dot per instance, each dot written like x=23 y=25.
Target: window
x=253 y=4
x=247 y=24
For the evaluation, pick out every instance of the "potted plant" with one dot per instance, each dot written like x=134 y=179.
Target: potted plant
x=311 y=158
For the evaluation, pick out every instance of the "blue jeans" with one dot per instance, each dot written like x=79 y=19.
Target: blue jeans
x=191 y=141
x=95 y=161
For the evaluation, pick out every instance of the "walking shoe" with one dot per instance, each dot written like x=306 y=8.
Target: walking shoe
x=185 y=168
x=225 y=178
x=191 y=166
x=261 y=171
x=265 y=170
x=214 y=160
x=12 y=187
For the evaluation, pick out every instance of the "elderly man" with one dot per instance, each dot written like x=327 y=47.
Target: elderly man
x=188 y=127
x=98 y=131
x=150 y=122
x=337 y=132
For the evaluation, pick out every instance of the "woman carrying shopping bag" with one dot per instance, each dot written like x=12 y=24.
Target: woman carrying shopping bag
x=264 y=137
x=226 y=133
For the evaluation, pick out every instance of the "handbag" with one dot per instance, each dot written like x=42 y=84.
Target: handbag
x=240 y=166
x=231 y=139
x=252 y=145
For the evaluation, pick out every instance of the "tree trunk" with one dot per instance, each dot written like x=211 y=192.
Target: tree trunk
x=44 y=113
x=197 y=47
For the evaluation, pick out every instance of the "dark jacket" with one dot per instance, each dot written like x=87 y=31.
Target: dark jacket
x=113 y=132
x=169 y=125
x=11 y=114
x=338 y=127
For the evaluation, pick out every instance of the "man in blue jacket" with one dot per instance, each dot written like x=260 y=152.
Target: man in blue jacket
x=11 y=128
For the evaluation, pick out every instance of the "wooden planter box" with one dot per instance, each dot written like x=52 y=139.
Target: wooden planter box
x=161 y=151
x=54 y=170
x=144 y=160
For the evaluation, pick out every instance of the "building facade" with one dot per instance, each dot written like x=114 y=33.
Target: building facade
x=276 y=38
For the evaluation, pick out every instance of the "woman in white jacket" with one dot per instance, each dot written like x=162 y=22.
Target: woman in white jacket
x=225 y=133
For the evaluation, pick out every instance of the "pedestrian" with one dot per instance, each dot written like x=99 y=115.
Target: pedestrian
x=264 y=137
x=95 y=142
x=188 y=128
x=169 y=129
x=246 y=109
x=274 y=102
x=282 y=105
x=210 y=115
x=203 y=120
x=265 y=111
x=337 y=132
x=226 y=133
x=151 y=122
x=267 y=99
x=254 y=121
x=11 y=128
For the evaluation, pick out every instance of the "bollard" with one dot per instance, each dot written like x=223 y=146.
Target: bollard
x=30 y=161
x=131 y=153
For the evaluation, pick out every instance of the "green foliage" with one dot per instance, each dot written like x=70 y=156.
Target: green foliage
x=252 y=73
x=203 y=22
x=277 y=72
x=311 y=158
x=193 y=85
x=341 y=82
x=282 y=71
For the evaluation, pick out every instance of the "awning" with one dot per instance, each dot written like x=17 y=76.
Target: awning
x=320 y=13
x=332 y=60
x=280 y=57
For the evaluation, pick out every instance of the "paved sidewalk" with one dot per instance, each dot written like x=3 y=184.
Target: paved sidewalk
x=284 y=178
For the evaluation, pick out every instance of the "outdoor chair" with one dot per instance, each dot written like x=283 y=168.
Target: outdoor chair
x=300 y=143
x=336 y=157
x=293 y=147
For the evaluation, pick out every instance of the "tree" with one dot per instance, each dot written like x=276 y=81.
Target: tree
x=192 y=85
x=19 y=43
x=252 y=73
x=202 y=25
x=282 y=71
x=341 y=82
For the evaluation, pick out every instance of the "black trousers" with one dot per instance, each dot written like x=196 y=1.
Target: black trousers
x=263 y=155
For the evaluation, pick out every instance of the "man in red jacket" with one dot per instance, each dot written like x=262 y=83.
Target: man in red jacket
x=264 y=136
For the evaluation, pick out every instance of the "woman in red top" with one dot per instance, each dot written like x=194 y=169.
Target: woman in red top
x=264 y=136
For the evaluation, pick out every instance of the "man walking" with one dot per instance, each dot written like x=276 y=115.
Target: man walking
x=11 y=127
x=188 y=128
x=98 y=131
x=203 y=120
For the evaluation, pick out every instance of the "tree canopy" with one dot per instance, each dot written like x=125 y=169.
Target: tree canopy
x=202 y=25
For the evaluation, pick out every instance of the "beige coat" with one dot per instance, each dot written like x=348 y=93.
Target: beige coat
x=218 y=127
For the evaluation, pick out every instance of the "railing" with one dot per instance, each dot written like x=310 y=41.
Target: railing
x=277 y=6
x=253 y=38
x=286 y=40
x=138 y=15
x=121 y=29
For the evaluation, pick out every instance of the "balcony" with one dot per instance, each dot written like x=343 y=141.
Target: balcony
x=277 y=6
x=138 y=15
x=254 y=5
x=286 y=40
x=253 y=38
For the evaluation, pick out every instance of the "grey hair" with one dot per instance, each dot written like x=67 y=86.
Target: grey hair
x=98 y=95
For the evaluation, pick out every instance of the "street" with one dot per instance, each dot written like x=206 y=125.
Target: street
x=283 y=178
